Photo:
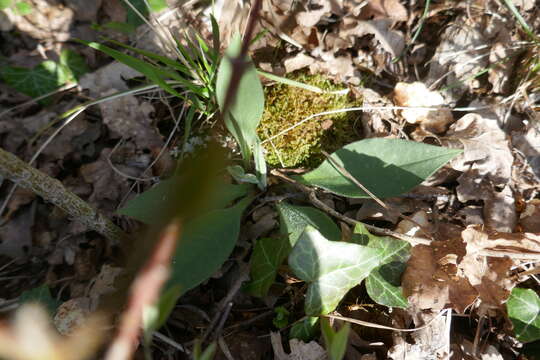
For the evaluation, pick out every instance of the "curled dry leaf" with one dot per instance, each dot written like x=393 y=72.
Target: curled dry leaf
x=417 y=94
x=453 y=273
x=376 y=9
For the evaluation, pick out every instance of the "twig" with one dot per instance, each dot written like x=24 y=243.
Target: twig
x=145 y=291
x=318 y=203
x=52 y=190
x=355 y=181
x=227 y=301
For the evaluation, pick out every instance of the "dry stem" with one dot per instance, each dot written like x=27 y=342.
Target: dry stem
x=52 y=190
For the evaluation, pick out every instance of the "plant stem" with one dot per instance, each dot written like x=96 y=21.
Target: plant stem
x=52 y=190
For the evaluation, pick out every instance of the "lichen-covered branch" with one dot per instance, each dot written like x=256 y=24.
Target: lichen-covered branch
x=52 y=190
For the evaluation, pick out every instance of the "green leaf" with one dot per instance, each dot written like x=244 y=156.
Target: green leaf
x=4 y=4
x=132 y=17
x=157 y=5
x=331 y=268
x=246 y=109
x=42 y=79
x=41 y=295
x=204 y=245
x=336 y=342
x=74 y=62
x=281 y=318
x=239 y=174
x=305 y=330
x=294 y=219
x=268 y=255
x=141 y=207
x=386 y=167
x=23 y=8
x=383 y=283
x=524 y=311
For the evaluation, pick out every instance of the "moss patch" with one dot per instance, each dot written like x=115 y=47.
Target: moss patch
x=288 y=105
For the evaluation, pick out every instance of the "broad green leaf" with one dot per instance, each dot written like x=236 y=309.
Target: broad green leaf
x=205 y=244
x=74 y=62
x=386 y=167
x=42 y=79
x=41 y=295
x=335 y=341
x=246 y=109
x=268 y=255
x=4 y=4
x=260 y=163
x=305 y=330
x=524 y=311
x=23 y=8
x=141 y=207
x=331 y=268
x=383 y=283
x=294 y=219
x=157 y=5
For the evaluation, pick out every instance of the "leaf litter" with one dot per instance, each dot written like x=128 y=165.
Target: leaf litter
x=481 y=208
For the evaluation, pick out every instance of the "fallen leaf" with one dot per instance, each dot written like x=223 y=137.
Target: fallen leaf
x=392 y=9
x=418 y=95
x=48 y=20
x=299 y=349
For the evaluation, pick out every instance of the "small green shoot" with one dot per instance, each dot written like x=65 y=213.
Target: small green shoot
x=281 y=317
x=335 y=341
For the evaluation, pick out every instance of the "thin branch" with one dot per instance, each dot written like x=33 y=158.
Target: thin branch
x=318 y=203
x=52 y=190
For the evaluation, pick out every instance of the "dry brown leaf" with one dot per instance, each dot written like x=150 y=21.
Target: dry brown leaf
x=111 y=76
x=529 y=219
x=486 y=148
x=310 y=18
x=49 y=20
x=297 y=62
x=299 y=349
x=392 y=9
x=417 y=94
x=431 y=280
x=391 y=40
x=126 y=117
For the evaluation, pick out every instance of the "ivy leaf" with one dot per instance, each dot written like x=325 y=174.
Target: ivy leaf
x=386 y=167
x=524 y=311
x=294 y=219
x=268 y=254
x=74 y=62
x=331 y=268
x=246 y=109
x=305 y=330
x=205 y=245
x=42 y=79
x=383 y=283
x=140 y=207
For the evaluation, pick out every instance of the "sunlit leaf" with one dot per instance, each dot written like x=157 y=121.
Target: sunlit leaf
x=335 y=341
x=331 y=268
x=386 y=167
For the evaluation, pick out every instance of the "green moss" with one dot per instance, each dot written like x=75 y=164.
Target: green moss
x=288 y=105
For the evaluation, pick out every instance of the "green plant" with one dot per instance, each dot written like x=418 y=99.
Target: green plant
x=19 y=7
x=287 y=104
x=335 y=341
x=47 y=76
x=524 y=311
